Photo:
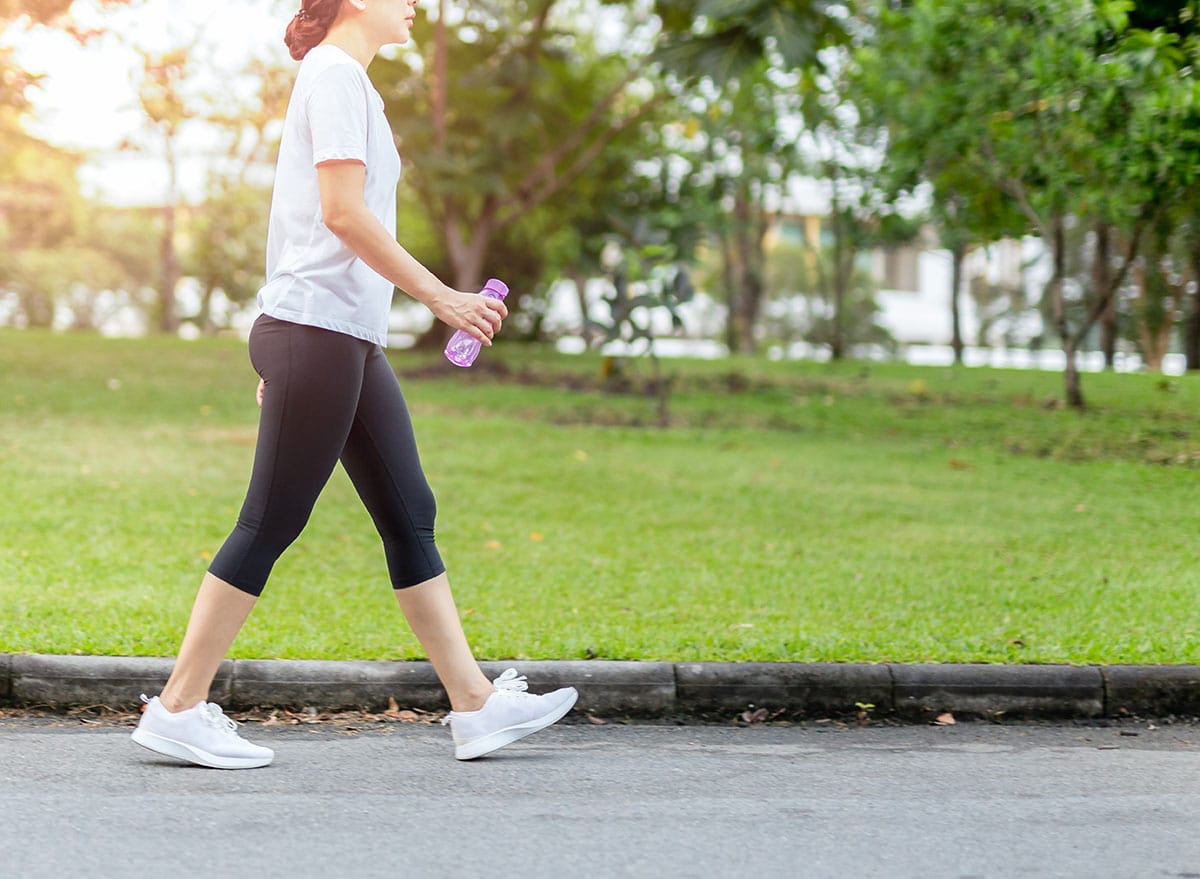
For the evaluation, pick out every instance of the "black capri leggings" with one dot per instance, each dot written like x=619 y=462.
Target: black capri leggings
x=329 y=396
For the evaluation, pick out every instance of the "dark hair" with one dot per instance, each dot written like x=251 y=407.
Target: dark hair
x=310 y=25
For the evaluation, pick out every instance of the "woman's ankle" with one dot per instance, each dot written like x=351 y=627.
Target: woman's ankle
x=471 y=700
x=176 y=702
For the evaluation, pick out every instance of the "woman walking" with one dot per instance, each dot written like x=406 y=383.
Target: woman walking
x=327 y=394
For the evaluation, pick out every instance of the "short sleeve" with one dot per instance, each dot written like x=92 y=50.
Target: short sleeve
x=337 y=115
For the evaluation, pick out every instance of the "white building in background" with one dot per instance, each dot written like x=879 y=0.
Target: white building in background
x=913 y=281
x=914 y=286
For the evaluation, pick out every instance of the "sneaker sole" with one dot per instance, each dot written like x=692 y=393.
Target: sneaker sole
x=492 y=741
x=180 y=751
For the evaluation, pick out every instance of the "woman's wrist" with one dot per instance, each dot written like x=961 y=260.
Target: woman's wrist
x=432 y=295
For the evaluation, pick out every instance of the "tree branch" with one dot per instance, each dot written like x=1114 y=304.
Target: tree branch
x=1014 y=187
x=512 y=206
x=1149 y=209
x=545 y=168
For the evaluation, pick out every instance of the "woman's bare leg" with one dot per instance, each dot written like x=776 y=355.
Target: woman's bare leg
x=430 y=611
x=217 y=617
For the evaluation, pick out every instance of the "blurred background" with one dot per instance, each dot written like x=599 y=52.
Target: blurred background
x=1004 y=183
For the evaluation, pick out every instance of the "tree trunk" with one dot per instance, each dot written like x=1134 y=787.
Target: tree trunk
x=748 y=279
x=731 y=292
x=585 y=328
x=837 y=346
x=168 y=322
x=749 y=292
x=466 y=265
x=1058 y=246
x=38 y=308
x=204 y=319
x=1071 y=375
x=1101 y=278
x=957 y=254
x=1191 y=332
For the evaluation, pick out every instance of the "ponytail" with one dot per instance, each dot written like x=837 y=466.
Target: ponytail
x=310 y=25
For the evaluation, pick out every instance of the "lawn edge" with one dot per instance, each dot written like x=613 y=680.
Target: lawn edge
x=731 y=690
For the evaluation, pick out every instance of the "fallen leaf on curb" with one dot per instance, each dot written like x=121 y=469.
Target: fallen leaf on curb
x=946 y=719
x=393 y=710
x=598 y=721
x=756 y=716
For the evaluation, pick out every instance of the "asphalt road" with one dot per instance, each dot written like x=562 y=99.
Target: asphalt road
x=972 y=800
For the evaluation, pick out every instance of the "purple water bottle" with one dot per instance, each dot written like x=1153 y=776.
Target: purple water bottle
x=463 y=347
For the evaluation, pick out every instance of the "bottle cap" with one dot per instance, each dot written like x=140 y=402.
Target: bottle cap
x=496 y=286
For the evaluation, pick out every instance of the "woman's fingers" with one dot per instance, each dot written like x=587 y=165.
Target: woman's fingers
x=492 y=317
x=497 y=306
x=481 y=317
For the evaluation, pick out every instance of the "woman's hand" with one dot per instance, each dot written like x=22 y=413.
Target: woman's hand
x=261 y=387
x=478 y=315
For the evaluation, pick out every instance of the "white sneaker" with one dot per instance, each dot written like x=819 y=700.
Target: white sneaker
x=201 y=735
x=509 y=714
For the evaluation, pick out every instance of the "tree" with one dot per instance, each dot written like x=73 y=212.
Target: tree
x=924 y=161
x=750 y=64
x=167 y=109
x=14 y=81
x=228 y=231
x=1181 y=18
x=1057 y=127
x=744 y=159
x=41 y=208
x=550 y=106
x=724 y=39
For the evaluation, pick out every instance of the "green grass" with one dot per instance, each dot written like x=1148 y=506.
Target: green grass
x=851 y=512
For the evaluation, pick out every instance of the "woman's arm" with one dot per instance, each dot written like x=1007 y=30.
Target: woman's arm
x=346 y=214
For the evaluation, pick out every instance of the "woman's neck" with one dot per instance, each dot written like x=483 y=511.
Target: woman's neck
x=353 y=42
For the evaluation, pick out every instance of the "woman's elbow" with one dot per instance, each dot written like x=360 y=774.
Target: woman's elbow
x=339 y=220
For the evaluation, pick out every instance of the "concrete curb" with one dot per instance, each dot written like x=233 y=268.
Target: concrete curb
x=655 y=689
x=63 y=681
x=813 y=689
x=995 y=690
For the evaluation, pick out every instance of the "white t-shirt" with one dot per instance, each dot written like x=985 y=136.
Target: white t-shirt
x=312 y=277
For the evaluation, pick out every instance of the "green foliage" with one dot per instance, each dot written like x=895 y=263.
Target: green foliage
x=530 y=133
x=1058 y=106
x=228 y=236
x=724 y=39
x=643 y=276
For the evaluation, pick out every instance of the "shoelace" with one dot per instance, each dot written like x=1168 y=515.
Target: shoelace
x=212 y=714
x=508 y=684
